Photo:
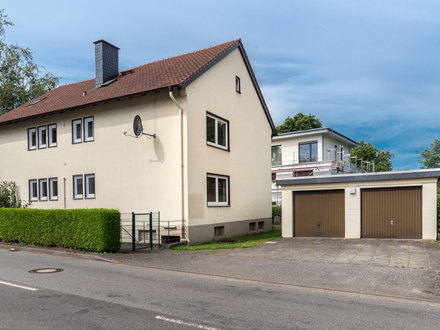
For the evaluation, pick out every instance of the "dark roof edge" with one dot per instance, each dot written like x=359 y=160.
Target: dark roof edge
x=316 y=131
x=237 y=44
x=127 y=96
x=379 y=176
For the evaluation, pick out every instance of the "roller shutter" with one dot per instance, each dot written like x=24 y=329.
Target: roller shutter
x=391 y=212
x=319 y=213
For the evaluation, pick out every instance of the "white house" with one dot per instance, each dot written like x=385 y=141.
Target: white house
x=320 y=151
x=204 y=119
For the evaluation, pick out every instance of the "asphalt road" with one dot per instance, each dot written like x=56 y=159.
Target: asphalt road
x=90 y=294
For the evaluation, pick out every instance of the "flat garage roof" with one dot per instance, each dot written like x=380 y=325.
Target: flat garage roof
x=379 y=176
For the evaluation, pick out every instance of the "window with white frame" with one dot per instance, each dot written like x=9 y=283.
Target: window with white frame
x=77 y=131
x=217 y=132
x=33 y=190
x=52 y=130
x=32 y=138
x=88 y=129
x=217 y=190
x=43 y=189
x=90 y=185
x=77 y=186
x=237 y=84
x=277 y=155
x=42 y=137
x=53 y=189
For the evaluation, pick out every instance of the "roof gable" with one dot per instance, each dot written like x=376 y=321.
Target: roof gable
x=174 y=72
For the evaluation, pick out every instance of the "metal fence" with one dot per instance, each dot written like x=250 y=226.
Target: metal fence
x=146 y=230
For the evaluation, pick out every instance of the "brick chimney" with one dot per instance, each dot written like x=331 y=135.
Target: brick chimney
x=106 y=62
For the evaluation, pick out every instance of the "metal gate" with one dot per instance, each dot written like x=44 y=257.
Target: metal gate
x=392 y=212
x=319 y=213
x=142 y=231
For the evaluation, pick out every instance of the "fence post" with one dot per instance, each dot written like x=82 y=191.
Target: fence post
x=150 y=232
x=133 y=231
x=158 y=230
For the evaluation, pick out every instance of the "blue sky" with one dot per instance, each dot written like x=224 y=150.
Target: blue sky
x=368 y=69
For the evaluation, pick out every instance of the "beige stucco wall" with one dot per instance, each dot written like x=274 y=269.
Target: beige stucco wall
x=353 y=203
x=144 y=174
x=131 y=174
x=247 y=163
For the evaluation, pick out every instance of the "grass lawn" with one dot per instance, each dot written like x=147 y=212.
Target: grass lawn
x=236 y=242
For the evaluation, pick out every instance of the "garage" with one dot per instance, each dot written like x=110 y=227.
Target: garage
x=395 y=205
x=319 y=213
x=391 y=212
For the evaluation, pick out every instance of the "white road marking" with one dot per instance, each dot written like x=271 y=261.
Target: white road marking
x=199 y=326
x=19 y=286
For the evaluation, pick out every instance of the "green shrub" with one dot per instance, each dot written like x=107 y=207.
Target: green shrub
x=95 y=230
x=10 y=195
x=276 y=212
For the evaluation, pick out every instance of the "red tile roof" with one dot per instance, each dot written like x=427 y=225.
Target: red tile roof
x=178 y=71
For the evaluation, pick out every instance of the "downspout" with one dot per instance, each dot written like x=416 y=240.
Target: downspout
x=182 y=167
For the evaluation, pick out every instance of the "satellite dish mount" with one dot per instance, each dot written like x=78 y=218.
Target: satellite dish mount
x=138 y=129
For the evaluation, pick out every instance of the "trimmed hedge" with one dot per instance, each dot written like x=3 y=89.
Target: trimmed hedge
x=97 y=230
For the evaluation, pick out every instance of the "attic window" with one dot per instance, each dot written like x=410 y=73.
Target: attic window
x=126 y=72
x=37 y=101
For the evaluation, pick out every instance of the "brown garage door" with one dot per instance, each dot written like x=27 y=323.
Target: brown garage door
x=392 y=212
x=319 y=213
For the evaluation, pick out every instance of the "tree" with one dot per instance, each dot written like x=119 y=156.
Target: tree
x=367 y=152
x=430 y=157
x=21 y=79
x=298 y=123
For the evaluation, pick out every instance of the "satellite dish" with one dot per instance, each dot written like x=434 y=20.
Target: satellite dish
x=138 y=129
x=137 y=126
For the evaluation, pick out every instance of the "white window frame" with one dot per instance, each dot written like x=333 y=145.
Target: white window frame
x=216 y=133
x=76 y=131
x=53 y=189
x=237 y=84
x=78 y=193
x=90 y=188
x=42 y=189
x=89 y=134
x=42 y=137
x=52 y=135
x=217 y=178
x=33 y=190
x=32 y=145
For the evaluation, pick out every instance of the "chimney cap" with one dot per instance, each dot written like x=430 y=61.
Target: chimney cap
x=103 y=41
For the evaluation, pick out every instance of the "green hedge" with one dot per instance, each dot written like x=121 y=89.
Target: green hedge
x=97 y=230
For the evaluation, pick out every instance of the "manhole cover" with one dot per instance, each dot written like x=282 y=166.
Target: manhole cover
x=46 y=270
